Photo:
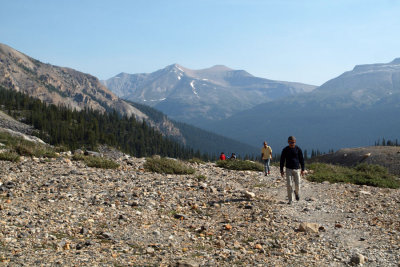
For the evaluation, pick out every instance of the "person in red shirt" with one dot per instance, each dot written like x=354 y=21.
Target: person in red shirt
x=222 y=156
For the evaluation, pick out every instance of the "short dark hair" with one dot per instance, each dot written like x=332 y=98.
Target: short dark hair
x=291 y=138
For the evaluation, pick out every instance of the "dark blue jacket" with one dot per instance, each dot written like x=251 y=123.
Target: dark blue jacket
x=293 y=158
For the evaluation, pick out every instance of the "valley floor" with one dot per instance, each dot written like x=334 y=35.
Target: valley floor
x=61 y=213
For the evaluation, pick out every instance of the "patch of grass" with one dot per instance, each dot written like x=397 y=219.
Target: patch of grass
x=275 y=163
x=24 y=147
x=103 y=163
x=362 y=174
x=196 y=160
x=167 y=166
x=61 y=148
x=240 y=165
x=78 y=157
x=260 y=185
x=201 y=178
x=96 y=162
x=9 y=156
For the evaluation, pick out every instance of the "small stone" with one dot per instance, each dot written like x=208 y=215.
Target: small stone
x=83 y=231
x=150 y=250
x=67 y=246
x=309 y=227
x=156 y=233
x=258 y=246
x=228 y=227
x=357 y=259
x=180 y=216
x=220 y=243
x=236 y=244
x=249 y=194
x=134 y=203
x=203 y=185
x=186 y=264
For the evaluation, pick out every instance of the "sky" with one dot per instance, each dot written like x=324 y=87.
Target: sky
x=308 y=41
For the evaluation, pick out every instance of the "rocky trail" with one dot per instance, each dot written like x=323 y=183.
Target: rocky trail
x=58 y=212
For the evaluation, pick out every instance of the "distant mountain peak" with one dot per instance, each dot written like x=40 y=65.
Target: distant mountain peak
x=391 y=66
x=396 y=61
x=215 y=68
x=220 y=68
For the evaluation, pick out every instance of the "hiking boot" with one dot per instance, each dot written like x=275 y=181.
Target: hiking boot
x=297 y=197
x=290 y=202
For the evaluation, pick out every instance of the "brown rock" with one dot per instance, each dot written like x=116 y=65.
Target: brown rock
x=228 y=227
x=258 y=246
x=309 y=227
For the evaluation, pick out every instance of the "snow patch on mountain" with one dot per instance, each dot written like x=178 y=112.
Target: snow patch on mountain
x=154 y=100
x=179 y=68
x=194 y=88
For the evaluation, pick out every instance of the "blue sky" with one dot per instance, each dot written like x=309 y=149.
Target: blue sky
x=309 y=41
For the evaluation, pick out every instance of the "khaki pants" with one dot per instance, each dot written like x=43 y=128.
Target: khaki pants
x=292 y=175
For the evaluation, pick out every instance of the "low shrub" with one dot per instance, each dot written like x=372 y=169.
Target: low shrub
x=103 y=163
x=78 y=157
x=362 y=174
x=168 y=166
x=26 y=148
x=96 y=162
x=240 y=165
x=9 y=156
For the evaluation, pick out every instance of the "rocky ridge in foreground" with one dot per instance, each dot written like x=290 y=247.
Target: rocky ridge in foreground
x=59 y=212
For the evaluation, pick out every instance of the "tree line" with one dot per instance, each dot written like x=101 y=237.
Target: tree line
x=387 y=142
x=61 y=126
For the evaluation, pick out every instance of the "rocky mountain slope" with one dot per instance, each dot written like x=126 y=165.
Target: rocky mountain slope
x=196 y=96
x=355 y=109
x=68 y=87
x=60 y=212
x=57 y=85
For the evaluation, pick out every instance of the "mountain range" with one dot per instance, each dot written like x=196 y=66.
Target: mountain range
x=200 y=96
x=354 y=109
x=77 y=90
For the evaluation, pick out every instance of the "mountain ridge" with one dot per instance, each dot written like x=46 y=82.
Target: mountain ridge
x=194 y=96
x=353 y=109
x=57 y=85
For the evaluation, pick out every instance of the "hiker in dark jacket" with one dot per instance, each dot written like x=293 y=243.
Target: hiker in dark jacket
x=293 y=157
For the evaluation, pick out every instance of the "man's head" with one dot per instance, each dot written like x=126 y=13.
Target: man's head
x=265 y=143
x=292 y=141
